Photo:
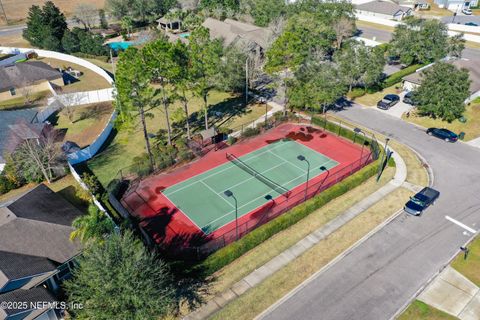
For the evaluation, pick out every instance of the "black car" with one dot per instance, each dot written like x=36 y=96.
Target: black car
x=421 y=201
x=408 y=98
x=388 y=101
x=443 y=134
x=471 y=24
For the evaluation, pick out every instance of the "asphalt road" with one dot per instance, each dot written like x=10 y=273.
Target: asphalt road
x=382 y=274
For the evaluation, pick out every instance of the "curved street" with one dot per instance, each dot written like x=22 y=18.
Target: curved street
x=382 y=274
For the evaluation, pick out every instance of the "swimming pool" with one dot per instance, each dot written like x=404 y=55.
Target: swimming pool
x=184 y=35
x=120 y=45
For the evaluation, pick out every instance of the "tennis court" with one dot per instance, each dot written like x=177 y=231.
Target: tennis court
x=272 y=170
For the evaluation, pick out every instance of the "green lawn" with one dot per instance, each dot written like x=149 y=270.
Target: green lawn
x=421 y=311
x=371 y=99
x=87 y=122
x=471 y=127
x=19 y=102
x=470 y=267
x=87 y=82
x=128 y=144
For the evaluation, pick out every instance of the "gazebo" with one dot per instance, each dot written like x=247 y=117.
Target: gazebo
x=169 y=24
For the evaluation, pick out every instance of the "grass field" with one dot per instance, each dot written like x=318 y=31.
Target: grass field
x=471 y=127
x=87 y=123
x=257 y=299
x=128 y=144
x=88 y=81
x=421 y=311
x=470 y=267
x=16 y=10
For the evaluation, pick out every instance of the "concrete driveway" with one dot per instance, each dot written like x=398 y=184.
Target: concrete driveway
x=399 y=109
x=384 y=273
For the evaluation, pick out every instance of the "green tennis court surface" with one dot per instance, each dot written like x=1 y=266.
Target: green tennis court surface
x=202 y=197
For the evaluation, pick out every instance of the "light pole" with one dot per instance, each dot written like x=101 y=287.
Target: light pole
x=302 y=158
x=380 y=167
x=358 y=130
x=229 y=194
x=264 y=102
x=323 y=168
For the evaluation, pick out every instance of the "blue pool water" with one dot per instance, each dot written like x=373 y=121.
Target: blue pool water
x=120 y=45
x=184 y=35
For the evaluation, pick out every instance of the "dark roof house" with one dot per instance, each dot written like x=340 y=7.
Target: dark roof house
x=25 y=73
x=34 y=244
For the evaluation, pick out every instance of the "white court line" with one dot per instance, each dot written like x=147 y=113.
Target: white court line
x=251 y=178
x=458 y=223
x=255 y=199
x=206 y=185
x=215 y=173
x=282 y=158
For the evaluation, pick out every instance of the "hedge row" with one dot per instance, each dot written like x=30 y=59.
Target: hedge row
x=396 y=77
x=226 y=255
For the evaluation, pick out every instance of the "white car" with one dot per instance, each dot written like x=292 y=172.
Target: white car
x=467 y=11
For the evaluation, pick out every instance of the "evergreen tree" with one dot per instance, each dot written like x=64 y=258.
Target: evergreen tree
x=120 y=279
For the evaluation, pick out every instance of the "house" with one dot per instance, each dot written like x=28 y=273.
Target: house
x=32 y=76
x=36 y=254
x=456 y=5
x=235 y=32
x=173 y=25
x=384 y=10
x=414 y=80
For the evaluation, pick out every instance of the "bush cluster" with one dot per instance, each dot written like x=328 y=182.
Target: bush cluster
x=396 y=77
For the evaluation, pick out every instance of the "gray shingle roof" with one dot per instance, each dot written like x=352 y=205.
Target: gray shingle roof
x=382 y=7
x=39 y=224
x=232 y=31
x=15 y=265
x=20 y=74
x=38 y=294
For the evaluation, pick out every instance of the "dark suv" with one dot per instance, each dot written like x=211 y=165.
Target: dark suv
x=421 y=201
x=388 y=101
x=443 y=134
x=408 y=98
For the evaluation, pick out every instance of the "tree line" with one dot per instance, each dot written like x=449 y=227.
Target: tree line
x=175 y=69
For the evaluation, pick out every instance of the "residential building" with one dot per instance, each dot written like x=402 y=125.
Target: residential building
x=20 y=78
x=414 y=80
x=36 y=254
x=384 y=10
x=235 y=32
x=456 y=5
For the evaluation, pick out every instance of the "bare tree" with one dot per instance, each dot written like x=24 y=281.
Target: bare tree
x=275 y=29
x=86 y=14
x=343 y=29
x=70 y=101
x=38 y=157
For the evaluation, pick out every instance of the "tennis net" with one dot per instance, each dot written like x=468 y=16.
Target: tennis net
x=245 y=167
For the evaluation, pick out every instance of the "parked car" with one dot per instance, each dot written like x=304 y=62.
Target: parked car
x=467 y=11
x=408 y=98
x=421 y=201
x=471 y=24
x=393 y=60
x=388 y=101
x=443 y=134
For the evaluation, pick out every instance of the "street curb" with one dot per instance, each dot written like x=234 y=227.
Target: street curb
x=300 y=247
x=329 y=265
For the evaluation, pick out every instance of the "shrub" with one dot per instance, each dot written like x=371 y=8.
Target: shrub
x=226 y=255
x=250 y=132
x=92 y=183
x=6 y=184
x=231 y=140
x=397 y=76
x=355 y=93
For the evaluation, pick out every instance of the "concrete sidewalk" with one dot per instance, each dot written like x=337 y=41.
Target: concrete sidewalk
x=269 y=268
x=453 y=293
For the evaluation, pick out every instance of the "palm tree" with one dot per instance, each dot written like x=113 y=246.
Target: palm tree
x=91 y=226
